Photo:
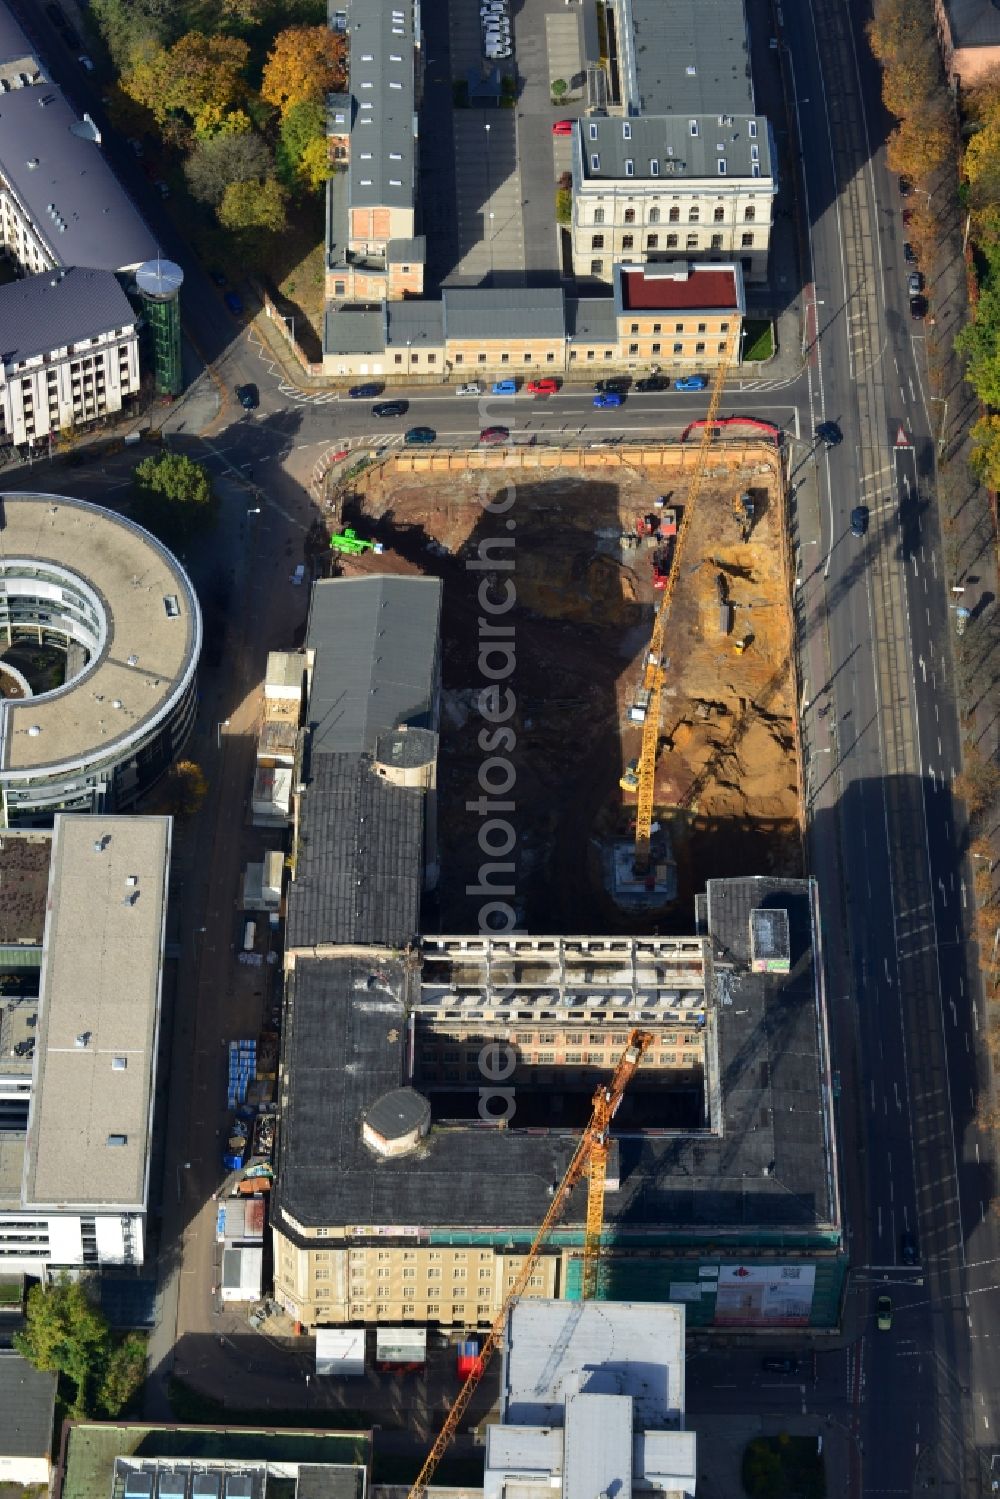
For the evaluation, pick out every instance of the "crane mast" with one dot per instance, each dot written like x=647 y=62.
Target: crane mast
x=655 y=673
x=593 y=1143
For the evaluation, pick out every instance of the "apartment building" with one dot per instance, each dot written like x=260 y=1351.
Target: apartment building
x=70 y=354
x=78 y=1062
x=373 y=252
x=661 y=187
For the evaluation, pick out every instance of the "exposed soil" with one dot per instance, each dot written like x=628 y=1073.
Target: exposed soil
x=581 y=624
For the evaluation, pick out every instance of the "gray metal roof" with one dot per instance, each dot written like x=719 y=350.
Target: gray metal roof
x=337 y=220
x=359 y=864
x=354 y=330
x=382 y=166
x=376 y=645
x=51 y=157
x=416 y=323
x=662 y=148
x=768 y=1170
x=14 y=44
x=28 y=1402
x=59 y=307
x=589 y=319
x=973 y=23
x=403 y=251
x=689 y=57
x=516 y=312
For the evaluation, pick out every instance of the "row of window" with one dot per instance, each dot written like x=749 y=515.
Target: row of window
x=674 y=215
x=653 y=241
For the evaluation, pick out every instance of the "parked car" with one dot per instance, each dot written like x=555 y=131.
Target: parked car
x=905 y=187
x=829 y=433
x=494 y=434
x=918 y=308
x=859 y=520
x=85 y=63
x=780 y=1365
x=620 y=383
x=608 y=398
x=909 y=254
x=883 y=1314
x=248 y=396
x=690 y=382
x=497 y=53
x=470 y=388
x=563 y=127
x=390 y=408
x=503 y=388
x=652 y=382
x=234 y=302
x=908 y=1249
x=365 y=392
x=915 y=283
x=418 y=436
x=543 y=387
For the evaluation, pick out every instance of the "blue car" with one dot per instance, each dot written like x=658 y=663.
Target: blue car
x=690 y=382
x=608 y=398
x=504 y=388
x=234 y=302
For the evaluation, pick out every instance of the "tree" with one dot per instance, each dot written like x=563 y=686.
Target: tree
x=186 y=789
x=558 y=87
x=214 y=120
x=220 y=160
x=303 y=129
x=174 y=496
x=306 y=62
x=123 y=1375
x=129 y=24
x=985 y=457
x=979 y=340
x=256 y=204
x=921 y=143
x=196 y=72
x=66 y=1335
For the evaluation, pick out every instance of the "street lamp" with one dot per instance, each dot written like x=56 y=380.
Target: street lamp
x=182 y=1166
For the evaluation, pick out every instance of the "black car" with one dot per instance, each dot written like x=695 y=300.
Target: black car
x=918 y=308
x=364 y=392
x=390 y=408
x=908 y=1249
x=616 y=386
x=859 y=520
x=653 y=382
x=909 y=253
x=905 y=187
x=419 y=436
x=829 y=433
x=780 y=1365
x=248 y=396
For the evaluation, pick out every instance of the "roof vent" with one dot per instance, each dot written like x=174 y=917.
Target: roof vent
x=82 y=1041
x=118 y=1064
x=32 y=163
x=118 y=1140
x=34 y=731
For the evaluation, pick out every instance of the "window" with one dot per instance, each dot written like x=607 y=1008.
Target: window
x=590 y=353
x=699 y=348
x=719 y=214
x=633 y=348
x=746 y=241
x=434 y=1272
x=573 y=1059
x=339 y=288
x=654 y=167
x=671 y=242
x=458 y=1273
x=694 y=215
x=527 y=358
x=755 y=169
x=597 y=241
x=693 y=128
x=408 y=1273
x=398 y=358
x=678 y=327
x=433 y=1307
x=692 y=241
x=722 y=346
x=675 y=215
x=593 y=131
x=485 y=1273
x=654 y=348
x=550 y=358
x=432 y=359
x=657 y=328
x=505 y=358
x=749 y=214
x=630 y=216
x=755 y=153
x=652 y=241
x=607 y=353
x=722 y=166
x=546 y=1038
x=598 y=215
x=459 y=358
x=626 y=131
x=678 y=348
x=752 y=128
x=383 y=1272
x=723 y=327
x=634 y=328
x=481 y=358
x=702 y=327
x=629 y=167
x=596 y=267
x=322 y=1275
x=627 y=241
x=654 y=216
x=322 y=1233
x=595 y=163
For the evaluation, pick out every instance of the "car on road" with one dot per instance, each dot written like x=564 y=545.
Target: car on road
x=504 y=388
x=390 y=408
x=620 y=383
x=905 y=187
x=830 y=433
x=652 y=382
x=248 y=396
x=608 y=399
x=690 y=382
x=563 y=127
x=365 y=392
x=162 y=188
x=234 y=302
x=859 y=520
x=470 y=388
x=494 y=434
x=883 y=1314
x=418 y=436
x=777 y=1365
x=85 y=63
x=918 y=308
x=914 y=283
x=908 y=1249
x=909 y=253
x=544 y=387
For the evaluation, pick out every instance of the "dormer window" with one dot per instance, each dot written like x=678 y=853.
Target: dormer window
x=692 y=128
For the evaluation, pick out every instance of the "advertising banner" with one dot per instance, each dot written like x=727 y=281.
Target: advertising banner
x=764 y=1295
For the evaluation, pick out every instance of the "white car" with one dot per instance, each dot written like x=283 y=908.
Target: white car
x=85 y=63
x=497 y=34
x=493 y=8
x=471 y=388
x=497 y=54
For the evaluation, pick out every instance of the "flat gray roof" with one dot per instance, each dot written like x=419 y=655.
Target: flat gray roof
x=591 y=318
x=353 y=330
x=376 y=650
x=689 y=57
x=28 y=1402
x=415 y=322
x=498 y=312
x=51 y=157
x=99 y=1003
x=382 y=169
x=59 y=307
x=662 y=147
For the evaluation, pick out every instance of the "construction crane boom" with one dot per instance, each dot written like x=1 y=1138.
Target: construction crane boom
x=655 y=673
x=593 y=1141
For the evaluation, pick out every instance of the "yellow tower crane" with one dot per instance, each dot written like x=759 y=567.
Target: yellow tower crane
x=590 y=1158
x=655 y=672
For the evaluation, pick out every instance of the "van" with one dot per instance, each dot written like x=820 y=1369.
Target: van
x=504 y=388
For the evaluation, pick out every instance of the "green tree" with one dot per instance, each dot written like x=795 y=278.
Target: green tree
x=195 y=73
x=123 y=1374
x=305 y=62
x=186 y=789
x=256 y=204
x=174 y=497
x=558 y=87
x=127 y=24
x=302 y=128
x=220 y=160
x=985 y=457
x=65 y=1334
x=979 y=340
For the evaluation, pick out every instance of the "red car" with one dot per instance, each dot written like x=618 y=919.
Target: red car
x=563 y=127
x=494 y=434
x=544 y=387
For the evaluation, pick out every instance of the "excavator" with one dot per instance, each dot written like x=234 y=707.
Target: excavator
x=589 y=1161
x=351 y=544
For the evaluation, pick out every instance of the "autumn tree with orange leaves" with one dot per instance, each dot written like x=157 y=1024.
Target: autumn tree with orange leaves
x=305 y=63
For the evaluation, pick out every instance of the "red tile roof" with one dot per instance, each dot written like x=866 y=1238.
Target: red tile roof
x=703 y=289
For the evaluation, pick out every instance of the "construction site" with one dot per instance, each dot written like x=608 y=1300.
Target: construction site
x=593 y=543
